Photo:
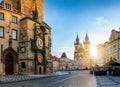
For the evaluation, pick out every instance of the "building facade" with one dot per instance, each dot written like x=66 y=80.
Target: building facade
x=25 y=39
x=82 y=53
x=110 y=49
x=67 y=64
x=63 y=62
x=55 y=63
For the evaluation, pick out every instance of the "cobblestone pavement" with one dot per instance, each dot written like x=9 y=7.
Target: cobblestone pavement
x=108 y=81
x=76 y=79
x=14 y=78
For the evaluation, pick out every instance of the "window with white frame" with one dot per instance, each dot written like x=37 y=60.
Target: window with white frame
x=14 y=34
x=1 y=16
x=14 y=19
x=1 y=32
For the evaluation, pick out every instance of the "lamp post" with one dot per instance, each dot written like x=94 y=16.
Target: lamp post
x=44 y=47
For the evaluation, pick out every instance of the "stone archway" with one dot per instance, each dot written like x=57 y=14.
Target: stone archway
x=10 y=61
x=9 y=64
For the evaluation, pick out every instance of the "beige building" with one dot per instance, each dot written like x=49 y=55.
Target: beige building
x=110 y=49
x=101 y=54
x=25 y=39
x=82 y=53
x=63 y=62
x=67 y=64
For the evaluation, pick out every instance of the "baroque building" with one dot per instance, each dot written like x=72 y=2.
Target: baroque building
x=110 y=50
x=82 y=53
x=25 y=39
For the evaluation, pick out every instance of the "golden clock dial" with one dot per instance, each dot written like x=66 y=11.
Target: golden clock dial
x=40 y=57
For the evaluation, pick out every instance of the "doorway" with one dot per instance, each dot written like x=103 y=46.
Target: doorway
x=40 y=70
x=9 y=64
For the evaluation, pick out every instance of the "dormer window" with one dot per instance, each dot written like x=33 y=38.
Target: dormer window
x=8 y=6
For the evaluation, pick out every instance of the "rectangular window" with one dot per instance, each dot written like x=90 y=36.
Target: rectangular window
x=1 y=32
x=14 y=19
x=14 y=34
x=8 y=6
x=114 y=47
x=23 y=65
x=1 y=16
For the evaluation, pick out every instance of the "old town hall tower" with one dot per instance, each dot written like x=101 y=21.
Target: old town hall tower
x=25 y=39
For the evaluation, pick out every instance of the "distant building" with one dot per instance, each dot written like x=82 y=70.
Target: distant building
x=67 y=64
x=82 y=53
x=25 y=39
x=72 y=65
x=55 y=63
x=63 y=62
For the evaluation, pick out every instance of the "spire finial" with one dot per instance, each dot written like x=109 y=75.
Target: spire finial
x=86 y=37
x=77 y=39
x=35 y=13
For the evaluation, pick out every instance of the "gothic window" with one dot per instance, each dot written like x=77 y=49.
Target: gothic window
x=14 y=19
x=1 y=16
x=23 y=65
x=8 y=6
x=1 y=32
x=14 y=34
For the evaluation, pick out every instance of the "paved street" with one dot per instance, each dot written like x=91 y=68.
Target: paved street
x=76 y=79
x=108 y=81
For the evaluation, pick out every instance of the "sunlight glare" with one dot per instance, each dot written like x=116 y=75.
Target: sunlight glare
x=93 y=51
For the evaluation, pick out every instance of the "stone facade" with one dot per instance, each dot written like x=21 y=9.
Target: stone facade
x=25 y=39
x=82 y=54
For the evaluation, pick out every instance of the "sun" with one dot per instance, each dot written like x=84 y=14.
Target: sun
x=93 y=51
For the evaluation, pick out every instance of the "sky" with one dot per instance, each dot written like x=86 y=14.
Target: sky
x=67 y=18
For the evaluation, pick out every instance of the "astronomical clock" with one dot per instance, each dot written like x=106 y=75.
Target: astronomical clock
x=40 y=57
x=39 y=43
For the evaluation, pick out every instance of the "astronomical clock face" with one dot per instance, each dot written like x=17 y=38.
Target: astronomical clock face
x=39 y=43
x=40 y=58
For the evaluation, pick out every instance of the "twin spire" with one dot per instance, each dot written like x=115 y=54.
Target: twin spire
x=86 y=39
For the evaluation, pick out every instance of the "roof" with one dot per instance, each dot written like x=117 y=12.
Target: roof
x=63 y=55
x=116 y=63
x=41 y=23
x=55 y=58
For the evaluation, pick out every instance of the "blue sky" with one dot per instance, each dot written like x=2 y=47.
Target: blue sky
x=68 y=18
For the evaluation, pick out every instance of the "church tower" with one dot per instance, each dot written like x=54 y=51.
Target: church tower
x=78 y=48
x=87 y=45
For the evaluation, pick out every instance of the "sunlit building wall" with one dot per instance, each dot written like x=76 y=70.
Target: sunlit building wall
x=110 y=49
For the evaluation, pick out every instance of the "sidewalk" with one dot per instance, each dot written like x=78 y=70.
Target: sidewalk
x=15 y=78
